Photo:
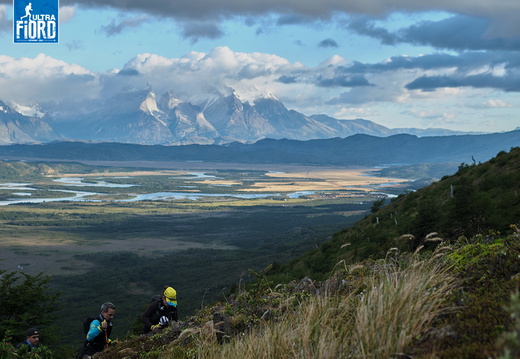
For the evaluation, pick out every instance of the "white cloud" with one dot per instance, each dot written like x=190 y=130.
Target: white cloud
x=43 y=78
x=66 y=13
x=350 y=113
x=494 y=103
x=197 y=74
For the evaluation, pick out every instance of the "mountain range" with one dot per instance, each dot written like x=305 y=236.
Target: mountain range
x=356 y=150
x=141 y=117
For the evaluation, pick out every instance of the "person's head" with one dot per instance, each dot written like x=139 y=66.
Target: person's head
x=170 y=296
x=33 y=336
x=108 y=310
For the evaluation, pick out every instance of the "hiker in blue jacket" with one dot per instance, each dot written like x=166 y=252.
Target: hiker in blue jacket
x=99 y=329
x=32 y=339
x=161 y=311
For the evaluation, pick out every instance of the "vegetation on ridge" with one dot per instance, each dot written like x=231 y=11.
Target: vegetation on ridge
x=445 y=257
x=473 y=201
x=344 y=315
x=451 y=302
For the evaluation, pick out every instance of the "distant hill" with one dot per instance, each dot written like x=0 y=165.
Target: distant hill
x=357 y=150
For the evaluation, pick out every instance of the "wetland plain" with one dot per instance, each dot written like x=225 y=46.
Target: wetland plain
x=120 y=231
x=152 y=208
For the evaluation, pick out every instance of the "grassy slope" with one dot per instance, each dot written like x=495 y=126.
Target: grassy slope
x=485 y=197
x=465 y=311
x=466 y=210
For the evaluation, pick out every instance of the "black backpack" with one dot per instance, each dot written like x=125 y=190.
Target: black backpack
x=86 y=323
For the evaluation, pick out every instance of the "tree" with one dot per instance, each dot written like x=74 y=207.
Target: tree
x=377 y=205
x=25 y=301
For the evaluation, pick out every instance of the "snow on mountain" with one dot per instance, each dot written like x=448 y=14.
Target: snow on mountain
x=149 y=104
x=18 y=128
x=28 y=110
x=137 y=116
x=168 y=101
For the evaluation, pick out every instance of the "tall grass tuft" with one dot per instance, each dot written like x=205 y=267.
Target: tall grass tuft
x=399 y=305
x=396 y=306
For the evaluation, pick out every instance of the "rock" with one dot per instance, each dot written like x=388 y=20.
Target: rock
x=222 y=326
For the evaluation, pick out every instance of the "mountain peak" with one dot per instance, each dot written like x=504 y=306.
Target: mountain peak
x=223 y=115
x=5 y=108
x=28 y=110
x=168 y=101
x=149 y=104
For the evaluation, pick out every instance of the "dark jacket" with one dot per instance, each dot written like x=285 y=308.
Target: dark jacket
x=98 y=343
x=155 y=311
x=25 y=344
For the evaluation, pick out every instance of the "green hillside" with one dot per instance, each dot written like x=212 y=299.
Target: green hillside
x=432 y=274
x=474 y=201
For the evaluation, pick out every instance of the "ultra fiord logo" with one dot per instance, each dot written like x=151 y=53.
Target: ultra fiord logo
x=35 y=21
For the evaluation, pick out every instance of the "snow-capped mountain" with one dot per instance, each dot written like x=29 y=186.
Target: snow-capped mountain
x=18 y=128
x=141 y=117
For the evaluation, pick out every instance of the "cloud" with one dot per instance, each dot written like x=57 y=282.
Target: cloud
x=74 y=45
x=328 y=43
x=430 y=83
x=66 y=13
x=501 y=16
x=364 y=25
x=293 y=20
x=43 y=78
x=196 y=73
x=343 y=81
x=128 y=72
x=287 y=79
x=458 y=32
x=427 y=114
x=492 y=103
x=497 y=70
x=478 y=24
x=335 y=83
x=5 y=24
x=120 y=24
x=195 y=30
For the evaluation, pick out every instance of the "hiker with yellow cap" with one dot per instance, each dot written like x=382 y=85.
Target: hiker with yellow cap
x=162 y=310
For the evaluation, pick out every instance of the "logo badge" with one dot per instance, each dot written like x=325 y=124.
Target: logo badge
x=35 y=21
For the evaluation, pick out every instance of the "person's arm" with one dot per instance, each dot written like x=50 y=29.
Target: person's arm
x=95 y=329
x=145 y=317
x=175 y=316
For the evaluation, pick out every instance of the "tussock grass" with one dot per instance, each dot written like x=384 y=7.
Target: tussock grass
x=397 y=305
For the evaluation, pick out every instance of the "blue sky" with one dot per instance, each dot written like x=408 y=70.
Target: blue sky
x=453 y=65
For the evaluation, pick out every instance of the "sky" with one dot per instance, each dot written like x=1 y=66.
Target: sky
x=403 y=63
